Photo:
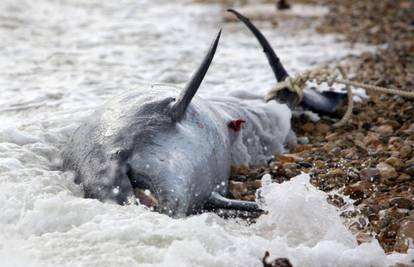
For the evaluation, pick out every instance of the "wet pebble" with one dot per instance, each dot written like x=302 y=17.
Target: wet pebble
x=405 y=236
x=237 y=189
x=401 y=202
x=409 y=170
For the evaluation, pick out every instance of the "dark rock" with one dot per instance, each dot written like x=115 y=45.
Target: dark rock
x=279 y=262
x=409 y=170
x=283 y=4
x=305 y=164
x=402 y=203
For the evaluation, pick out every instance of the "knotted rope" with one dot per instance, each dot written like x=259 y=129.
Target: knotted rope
x=297 y=85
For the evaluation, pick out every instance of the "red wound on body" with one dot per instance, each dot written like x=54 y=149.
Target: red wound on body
x=236 y=124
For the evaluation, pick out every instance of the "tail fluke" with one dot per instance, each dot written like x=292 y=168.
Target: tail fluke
x=326 y=103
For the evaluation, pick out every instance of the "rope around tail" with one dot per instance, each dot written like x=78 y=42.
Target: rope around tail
x=297 y=84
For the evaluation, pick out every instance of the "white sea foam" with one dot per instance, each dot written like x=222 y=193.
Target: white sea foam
x=61 y=59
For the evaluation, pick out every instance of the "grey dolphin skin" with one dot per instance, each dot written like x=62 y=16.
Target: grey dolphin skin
x=169 y=149
x=323 y=103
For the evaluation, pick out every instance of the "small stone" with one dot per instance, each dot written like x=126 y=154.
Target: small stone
x=336 y=172
x=395 y=162
x=364 y=238
x=387 y=171
x=289 y=173
x=303 y=140
x=410 y=128
x=358 y=191
x=409 y=170
x=322 y=128
x=331 y=137
x=336 y=200
x=394 y=140
x=319 y=163
x=237 y=189
x=349 y=214
x=393 y=123
x=402 y=203
x=240 y=169
x=253 y=185
x=369 y=174
x=301 y=148
x=240 y=178
x=405 y=236
x=366 y=126
x=335 y=150
x=405 y=151
x=309 y=127
x=372 y=140
x=287 y=158
x=385 y=129
x=372 y=210
x=305 y=164
x=290 y=166
x=404 y=178
x=360 y=144
x=249 y=197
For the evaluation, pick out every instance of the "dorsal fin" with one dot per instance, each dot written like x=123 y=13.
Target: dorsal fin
x=277 y=67
x=180 y=105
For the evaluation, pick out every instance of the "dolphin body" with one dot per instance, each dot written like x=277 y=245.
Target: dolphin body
x=172 y=150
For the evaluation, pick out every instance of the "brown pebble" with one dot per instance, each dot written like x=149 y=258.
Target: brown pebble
x=402 y=203
x=336 y=172
x=385 y=129
x=322 y=128
x=331 y=137
x=237 y=189
x=386 y=171
x=253 y=185
x=286 y=158
x=405 y=236
x=405 y=151
x=395 y=162
x=372 y=140
x=369 y=174
x=308 y=127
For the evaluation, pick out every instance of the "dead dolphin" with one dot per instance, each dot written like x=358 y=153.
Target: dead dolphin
x=323 y=103
x=171 y=149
